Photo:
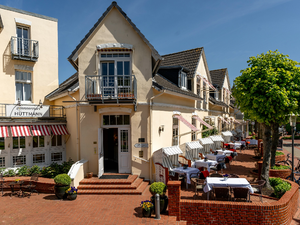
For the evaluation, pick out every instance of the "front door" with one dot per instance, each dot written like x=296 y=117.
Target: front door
x=124 y=150
x=100 y=153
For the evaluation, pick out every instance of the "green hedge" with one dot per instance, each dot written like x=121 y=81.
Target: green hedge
x=295 y=137
x=280 y=186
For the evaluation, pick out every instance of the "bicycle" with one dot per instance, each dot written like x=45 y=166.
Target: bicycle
x=288 y=162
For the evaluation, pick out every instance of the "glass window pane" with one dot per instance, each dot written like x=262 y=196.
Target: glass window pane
x=42 y=141
x=105 y=120
x=29 y=76
x=127 y=55
x=2 y=143
x=126 y=68
x=38 y=158
x=113 y=120
x=103 y=55
x=119 y=68
x=126 y=120
x=115 y=55
x=19 y=91
x=35 y=142
x=56 y=156
x=53 y=141
x=19 y=32
x=27 y=92
x=111 y=68
x=18 y=75
x=15 y=142
x=25 y=33
x=119 y=119
x=22 y=142
x=2 y=161
x=121 y=55
x=109 y=55
x=19 y=160
x=104 y=68
x=124 y=140
x=59 y=140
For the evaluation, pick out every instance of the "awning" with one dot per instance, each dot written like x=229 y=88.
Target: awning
x=225 y=121
x=234 y=120
x=174 y=150
x=3 y=131
x=186 y=123
x=206 y=141
x=193 y=145
x=203 y=122
x=207 y=82
x=217 y=138
x=40 y=130
x=59 y=129
x=227 y=134
x=20 y=131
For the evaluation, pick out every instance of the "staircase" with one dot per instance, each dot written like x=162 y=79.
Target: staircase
x=133 y=185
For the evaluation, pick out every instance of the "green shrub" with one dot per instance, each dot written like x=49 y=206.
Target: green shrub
x=280 y=167
x=2 y=170
x=48 y=172
x=278 y=153
x=280 y=189
x=10 y=173
x=35 y=169
x=290 y=137
x=208 y=133
x=23 y=171
x=54 y=169
x=62 y=179
x=158 y=188
x=274 y=181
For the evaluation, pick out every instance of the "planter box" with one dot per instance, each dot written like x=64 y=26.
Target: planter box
x=280 y=173
x=279 y=158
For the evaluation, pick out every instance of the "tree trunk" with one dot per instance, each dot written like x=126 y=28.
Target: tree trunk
x=260 y=132
x=275 y=138
x=267 y=155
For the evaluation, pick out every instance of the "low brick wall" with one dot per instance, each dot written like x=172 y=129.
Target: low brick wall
x=217 y=212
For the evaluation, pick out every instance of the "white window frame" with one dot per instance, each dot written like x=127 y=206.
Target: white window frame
x=182 y=80
x=56 y=153
x=43 y=157
x=23 y=88
x=39 y=142
x=193 y=134
x=18 y=142
x=2 y=161
x=19 y=156
x=175 y=129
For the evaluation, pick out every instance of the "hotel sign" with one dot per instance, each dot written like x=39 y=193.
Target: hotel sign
x=27 y=111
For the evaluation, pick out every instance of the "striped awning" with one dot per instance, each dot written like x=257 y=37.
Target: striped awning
x=59 y=129
x=225 y=121
x=205 y=141
x=193 y=145
x=167 y=163
x=20 y=131
x=227 y=134
x=40 y=130
x=207 y=82
x=186 y=122
x=203 y=122
x=173 y=150
x=234 y=120
x=3 y=131
x=217 y=138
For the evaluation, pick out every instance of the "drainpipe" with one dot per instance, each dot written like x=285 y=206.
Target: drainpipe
x=151 y=130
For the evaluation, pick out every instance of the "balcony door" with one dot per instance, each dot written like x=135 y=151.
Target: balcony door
x=23 y=41
x=108 y=79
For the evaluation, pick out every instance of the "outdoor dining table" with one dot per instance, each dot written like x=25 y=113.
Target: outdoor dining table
x=212 y=182
x=235 y=145
x=215 y=157
x=202 y=163
x=224 y=152
x=16 y=183
x=187 y=173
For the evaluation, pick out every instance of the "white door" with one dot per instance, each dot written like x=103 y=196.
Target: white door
x=100 y=153
x=124 y=150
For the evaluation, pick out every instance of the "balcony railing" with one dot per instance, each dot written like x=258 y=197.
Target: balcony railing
x=24 y=49
x=112 y=88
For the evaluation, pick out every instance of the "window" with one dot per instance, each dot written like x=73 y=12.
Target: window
x=2 y=162
x=182 y=80
x=18 y=142
x=38 y=158
x=19 y=160
x=56 y=140
x=2 y=143
x=23 y=86
x=116 y=120
x=56 y=156
x=23 y=41
x=194 y=133
x=175 y=131
x=217 y=94
x=204 y=91
x=38 y=141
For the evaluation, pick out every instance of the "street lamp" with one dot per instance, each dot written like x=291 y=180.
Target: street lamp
x=293 y=120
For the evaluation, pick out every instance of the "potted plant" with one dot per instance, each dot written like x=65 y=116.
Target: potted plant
x=62 y=183
x=72 y=193
x=147 y=208
x=225 y=176
x=281 y=171
x=279 y=156
x=159 y=188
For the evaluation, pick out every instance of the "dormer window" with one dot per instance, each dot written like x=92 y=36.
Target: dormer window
x=182 y=80
x=217 y=94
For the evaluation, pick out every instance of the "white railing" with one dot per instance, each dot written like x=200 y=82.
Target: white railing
x=77 y=171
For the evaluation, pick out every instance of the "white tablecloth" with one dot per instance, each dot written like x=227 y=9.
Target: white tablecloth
x=221 y=152
x=215 y=157
x=235 y=145
x=230 y=182
x=242 y=142
x=187 y=172
x=202 y=163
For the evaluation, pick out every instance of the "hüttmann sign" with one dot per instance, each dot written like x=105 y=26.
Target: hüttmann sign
x=27 y=111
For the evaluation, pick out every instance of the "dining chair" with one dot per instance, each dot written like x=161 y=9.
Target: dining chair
x=32 y=184
x=241 y=193
x=227 y=162
x=257 y=187
x=198 y=185
x=222 y=193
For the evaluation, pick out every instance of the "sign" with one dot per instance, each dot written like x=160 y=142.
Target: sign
x=25 y=111
x=140 y=145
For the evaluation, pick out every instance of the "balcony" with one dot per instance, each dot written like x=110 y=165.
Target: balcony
x=111 y=89
x=24 y=49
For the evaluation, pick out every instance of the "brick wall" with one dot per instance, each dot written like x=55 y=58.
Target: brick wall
x=41 y=186
x=217 y=212
x=279 y=173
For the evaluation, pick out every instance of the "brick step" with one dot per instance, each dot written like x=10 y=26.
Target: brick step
x=134 y=185
x=110 y=192
x=96 y=181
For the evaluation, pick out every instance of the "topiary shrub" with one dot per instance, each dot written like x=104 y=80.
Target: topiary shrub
x=62 y=180
x=158 y=188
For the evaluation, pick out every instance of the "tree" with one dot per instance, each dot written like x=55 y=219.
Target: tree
x=267 y=92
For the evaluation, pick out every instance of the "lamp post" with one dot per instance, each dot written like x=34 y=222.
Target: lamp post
x=293 y=120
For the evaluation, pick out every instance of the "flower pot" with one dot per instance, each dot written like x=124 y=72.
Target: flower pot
x=147 y=213
x=90 y=175
x=72 y=196
x=60 y=191
x=163 y=203
x=280 y=173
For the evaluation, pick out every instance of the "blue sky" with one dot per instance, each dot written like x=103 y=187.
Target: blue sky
x=230 y=31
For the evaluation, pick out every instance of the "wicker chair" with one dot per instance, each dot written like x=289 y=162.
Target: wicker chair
x=198 y=184
x=31 y=186
x=257 y=187
x=241 y=193
x=222 y=193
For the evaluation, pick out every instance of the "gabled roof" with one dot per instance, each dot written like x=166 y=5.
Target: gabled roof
x=216 y=102
x=159 y=82
x=70 y=83
x=155 y=54
x=218 y=77
x=189 y=59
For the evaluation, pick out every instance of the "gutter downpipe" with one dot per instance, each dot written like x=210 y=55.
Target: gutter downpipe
x=151 y=130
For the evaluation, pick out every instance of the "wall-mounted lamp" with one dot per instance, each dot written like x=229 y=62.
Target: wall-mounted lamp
x=48 y=142
x=9 y=145
x=19 y=102
x=29 y=144
x=40 y=104
x=161 y=128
